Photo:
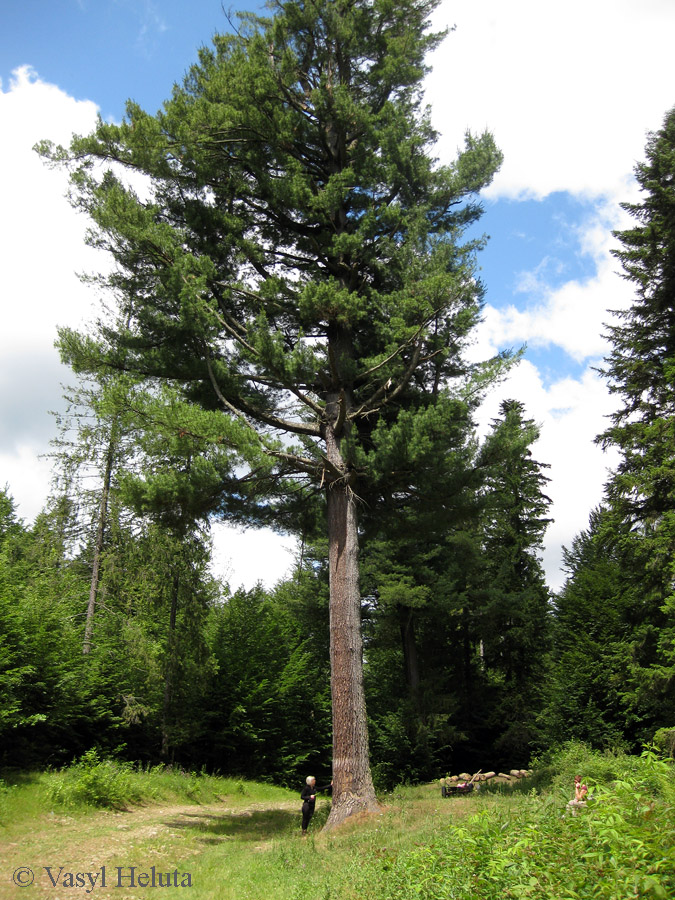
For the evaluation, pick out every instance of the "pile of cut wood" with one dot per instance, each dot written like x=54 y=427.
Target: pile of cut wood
x=465 y=783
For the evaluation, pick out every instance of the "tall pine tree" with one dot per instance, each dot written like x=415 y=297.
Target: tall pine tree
x=295 y=261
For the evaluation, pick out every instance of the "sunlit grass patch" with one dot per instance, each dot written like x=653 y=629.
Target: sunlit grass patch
x=247 y=844
x=114 y=784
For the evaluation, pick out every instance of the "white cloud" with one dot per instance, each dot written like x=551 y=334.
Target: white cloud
x=245 y=557
x=152 y=25
x=27 y=475
x=570 y=412
x=568 y=89
x=572 y=316
x=42 y=243
x=41 y=235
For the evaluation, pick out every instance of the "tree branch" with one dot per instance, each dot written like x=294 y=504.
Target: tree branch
x=411 y=340
x=243 y=409
x=381 y=392
x=308 y=466
x=342 y=414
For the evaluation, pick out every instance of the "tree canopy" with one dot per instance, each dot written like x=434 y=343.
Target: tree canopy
x=289 y=255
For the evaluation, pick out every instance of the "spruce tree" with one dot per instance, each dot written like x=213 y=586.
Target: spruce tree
x=641 y=365
x=513 y=619
x=641 y=370
x=292 y=257
x=594 y=623
x=620 y=596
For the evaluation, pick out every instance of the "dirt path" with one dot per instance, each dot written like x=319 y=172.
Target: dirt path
x=141 y=836
x=236 y=849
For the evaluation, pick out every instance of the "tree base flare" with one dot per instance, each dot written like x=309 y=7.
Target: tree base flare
x=352 y=808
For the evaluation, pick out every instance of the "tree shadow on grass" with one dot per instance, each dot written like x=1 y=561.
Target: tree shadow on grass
x=256 y=825
x=19 y=777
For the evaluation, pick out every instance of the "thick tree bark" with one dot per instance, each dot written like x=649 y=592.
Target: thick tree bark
x=353 y=789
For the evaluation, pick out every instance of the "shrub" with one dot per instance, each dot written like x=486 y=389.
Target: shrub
x=93 y=781
x=529 y=847
x=664 y=740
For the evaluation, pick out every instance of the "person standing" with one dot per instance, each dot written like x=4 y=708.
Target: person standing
x=308 y=797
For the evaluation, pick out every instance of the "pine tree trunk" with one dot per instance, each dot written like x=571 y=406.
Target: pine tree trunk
x=98 y=546
x=352 y=783
x=410 y=657
x=468 y=670
x=168 y=672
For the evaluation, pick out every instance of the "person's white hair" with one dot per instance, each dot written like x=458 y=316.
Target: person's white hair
x=309 y=778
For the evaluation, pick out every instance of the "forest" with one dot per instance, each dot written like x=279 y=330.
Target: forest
x=294 y=289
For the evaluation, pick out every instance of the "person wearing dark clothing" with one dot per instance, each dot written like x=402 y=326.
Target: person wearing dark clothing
x=308 y=797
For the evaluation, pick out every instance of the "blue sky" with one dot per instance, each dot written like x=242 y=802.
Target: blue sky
x=527 y=235
x=569 y=90
x=109 y=50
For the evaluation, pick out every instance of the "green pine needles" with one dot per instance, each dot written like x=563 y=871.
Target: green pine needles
x=289 y=257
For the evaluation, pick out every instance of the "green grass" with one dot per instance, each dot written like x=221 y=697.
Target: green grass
x=530 y=846
x=113 y=784
x=243 y=841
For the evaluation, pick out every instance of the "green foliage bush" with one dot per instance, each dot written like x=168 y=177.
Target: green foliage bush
x=664 y=740
x=97 y=782
x=596 y=768
x=93 y=781
x=531 y=847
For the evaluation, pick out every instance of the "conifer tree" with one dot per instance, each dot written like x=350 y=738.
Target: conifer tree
x=595 y=613
x=416 y=565
x=641 y=370
x=641 y=365
x=92 y=447
x=293 y=260
x=627 y=564
x=514 y=616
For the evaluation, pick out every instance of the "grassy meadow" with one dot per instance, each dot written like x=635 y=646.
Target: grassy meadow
x=241 y=840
